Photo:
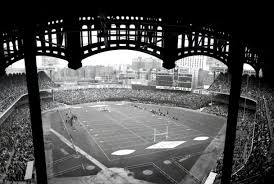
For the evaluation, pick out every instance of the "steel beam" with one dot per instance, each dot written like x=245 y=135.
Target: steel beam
x=2 y=54
x=34 y=102
x=73 y=47
x=236 y=69
x=170 y=41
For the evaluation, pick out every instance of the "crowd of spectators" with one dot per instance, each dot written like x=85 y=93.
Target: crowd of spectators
x=244 y=129
x=217 y=109
x=269 y=99
x=47 y=104
x=14 y=85
x=252 y=145
x=248 y=88
x=16 y=147
x=257 y=164
x=45 y=81
x=221 y=83
x=77 y=96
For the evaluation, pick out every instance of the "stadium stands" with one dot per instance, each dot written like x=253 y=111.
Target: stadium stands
x=14 y=85
x=248 y=88
x=252 y=156
x=256 y=165
x=16 y=142
x=77 y=96
x=15 y=133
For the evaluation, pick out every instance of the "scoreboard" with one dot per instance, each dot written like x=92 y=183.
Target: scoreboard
x=174 y=81
x=184 y=80
x=164 y=79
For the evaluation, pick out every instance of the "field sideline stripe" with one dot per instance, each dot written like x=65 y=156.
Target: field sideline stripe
x=102 y=150
x=93 y=160
x=165 y=174
x=185 y=170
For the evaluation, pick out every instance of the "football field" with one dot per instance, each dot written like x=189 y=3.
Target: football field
x=159 y=144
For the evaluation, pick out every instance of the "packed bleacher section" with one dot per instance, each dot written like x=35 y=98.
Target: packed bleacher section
x=248 y=88
x=45 y=81
x=221 y=83
x=256 y=164
x=14 y=85
x=244 y=132
x=16 y=147
x=78 y=96
x=219 y=110
x=269 y=99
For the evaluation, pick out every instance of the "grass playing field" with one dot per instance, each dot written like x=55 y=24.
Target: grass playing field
x=123 y=135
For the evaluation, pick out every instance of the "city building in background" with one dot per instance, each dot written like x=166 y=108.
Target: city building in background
x=146 y=63
x=190 y=74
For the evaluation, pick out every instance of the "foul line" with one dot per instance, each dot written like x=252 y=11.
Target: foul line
x=185 y=170
x=61 y=159
x=86 y=129
x=165 y=174
x=65 y=171
x=93 y=160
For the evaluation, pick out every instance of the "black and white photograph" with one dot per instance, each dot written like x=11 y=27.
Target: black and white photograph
x=136 y=94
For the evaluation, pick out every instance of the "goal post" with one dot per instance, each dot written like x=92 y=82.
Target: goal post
x=155 y=134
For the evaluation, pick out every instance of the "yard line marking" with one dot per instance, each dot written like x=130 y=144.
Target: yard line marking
x=135 y=145
x=133 y=118
x=94 y=140
x=115 y=121
x=93 y=160
x=109 y=137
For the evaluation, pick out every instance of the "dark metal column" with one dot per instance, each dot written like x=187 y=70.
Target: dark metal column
x=2 y=55
x=34 y=103
x=236 y=60
x=73 y=48
x=170 y=40
x=1 y=47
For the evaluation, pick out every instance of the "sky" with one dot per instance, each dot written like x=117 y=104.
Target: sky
x=105 y=58
x=116 y=56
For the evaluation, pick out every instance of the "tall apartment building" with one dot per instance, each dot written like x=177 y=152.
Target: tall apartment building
x=146 y=63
